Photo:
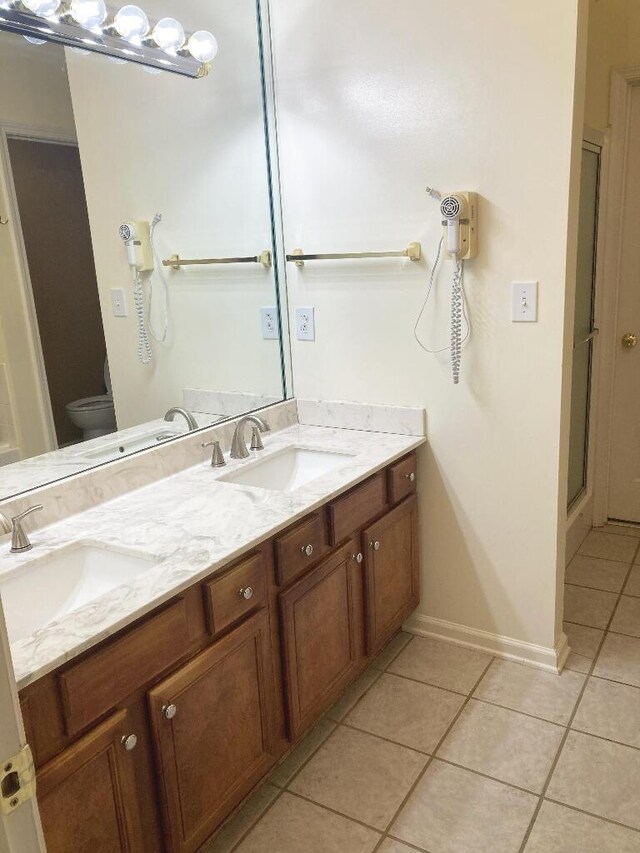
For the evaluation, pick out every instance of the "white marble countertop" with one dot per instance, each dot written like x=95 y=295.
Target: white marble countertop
x=192 y=524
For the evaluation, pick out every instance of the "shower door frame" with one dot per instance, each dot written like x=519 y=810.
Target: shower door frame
x=582 y=512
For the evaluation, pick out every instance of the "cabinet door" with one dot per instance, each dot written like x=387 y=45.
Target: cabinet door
x=213 y=729
x=392 y=584
x=322 y=635
x=87 y=795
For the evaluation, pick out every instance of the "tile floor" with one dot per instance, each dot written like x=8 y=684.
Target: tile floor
x=446 y=750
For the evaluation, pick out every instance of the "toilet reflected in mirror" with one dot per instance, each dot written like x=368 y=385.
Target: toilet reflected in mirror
x=95 y=416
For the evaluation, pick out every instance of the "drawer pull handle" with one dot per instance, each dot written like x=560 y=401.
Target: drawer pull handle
x=308 y=550
x=411 y=477
x=169 y=711
x=246 y=593
x=358 y=558
x=374 y=545
x=129 y=742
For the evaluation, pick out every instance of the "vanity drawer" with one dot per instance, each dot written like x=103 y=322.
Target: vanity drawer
x=229 y=598
x=403 y=477
x=351 y=512
x=96 y=685
x=299 y=548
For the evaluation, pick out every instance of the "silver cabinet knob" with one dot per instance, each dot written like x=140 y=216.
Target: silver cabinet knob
x=169 y=711
x=357 y=557
x=375 y=546
x=308 y=550
x=246 y=593
x=411 y=477
x=129 y=742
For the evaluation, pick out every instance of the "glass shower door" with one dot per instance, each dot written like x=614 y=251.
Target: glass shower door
x=584 y=330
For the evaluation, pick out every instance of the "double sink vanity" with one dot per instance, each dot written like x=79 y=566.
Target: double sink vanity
x=172 y=645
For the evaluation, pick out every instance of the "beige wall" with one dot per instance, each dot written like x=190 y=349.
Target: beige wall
x=34 y=95
x=375 y=102
x=614 y=40
x=194 y=151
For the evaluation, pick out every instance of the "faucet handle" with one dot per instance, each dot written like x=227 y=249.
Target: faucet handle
x=20 y=541
x=217 y=456
x=5 y=524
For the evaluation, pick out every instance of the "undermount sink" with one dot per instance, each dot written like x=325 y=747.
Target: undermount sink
x=288 y=469
x=48 y=588
x=116 y=449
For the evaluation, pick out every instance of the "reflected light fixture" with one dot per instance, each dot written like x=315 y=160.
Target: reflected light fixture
x=88 y=13
x=44 y=8
x=131 y=23
x=202 y=46
x=169 y=35
x=183 y=54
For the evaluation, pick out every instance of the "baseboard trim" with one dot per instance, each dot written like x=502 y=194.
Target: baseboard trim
x=542 y=657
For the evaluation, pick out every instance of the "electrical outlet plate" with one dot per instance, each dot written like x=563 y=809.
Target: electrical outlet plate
x=524 y=302
x=305 y=324
x=269 y=318
x=119 y=302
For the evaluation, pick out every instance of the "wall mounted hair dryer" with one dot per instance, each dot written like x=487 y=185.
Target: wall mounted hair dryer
x=460 y=221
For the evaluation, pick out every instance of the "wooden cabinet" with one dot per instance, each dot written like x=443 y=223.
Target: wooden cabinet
x=321 y=632
x=214 y=681
x=212 y=725
x=87 y=795
x=391 y=572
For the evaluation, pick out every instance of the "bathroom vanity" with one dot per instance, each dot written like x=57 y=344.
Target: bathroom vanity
x=148 y=740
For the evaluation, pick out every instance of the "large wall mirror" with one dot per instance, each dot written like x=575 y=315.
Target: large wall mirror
x=99 y=338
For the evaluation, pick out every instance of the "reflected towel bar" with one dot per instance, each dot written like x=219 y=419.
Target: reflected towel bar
x=175 y=261
x=413 y=252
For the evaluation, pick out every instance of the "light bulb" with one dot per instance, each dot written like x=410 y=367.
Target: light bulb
x=203 y=46
x=150 y=70
x=45 y=8
x=33 y=40
x=88 y=13
x=169 y=34
x=132 y=23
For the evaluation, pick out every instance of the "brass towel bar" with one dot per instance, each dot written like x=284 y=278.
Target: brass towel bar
x=175 y=261
x=413 y=252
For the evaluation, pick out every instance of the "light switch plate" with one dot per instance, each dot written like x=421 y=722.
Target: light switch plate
x=119 y=302
x=269 y=318
x=524 y=302
x=306 y=324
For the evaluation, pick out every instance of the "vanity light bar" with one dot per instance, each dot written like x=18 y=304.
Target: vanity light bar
x=128 y=37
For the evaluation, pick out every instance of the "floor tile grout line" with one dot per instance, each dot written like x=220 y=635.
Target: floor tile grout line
x=525 y=713
x=597 y=588
x=334 y=811
x=430 y=683
x=591 y=814
x=568 y=729
x=610 y=679
x=431 y=759
x=605 y=739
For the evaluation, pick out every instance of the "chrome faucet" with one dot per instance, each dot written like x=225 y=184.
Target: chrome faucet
x=19 y=539
x=176 y=410
x=238 y=445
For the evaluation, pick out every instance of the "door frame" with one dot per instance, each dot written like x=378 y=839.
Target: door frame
x=33 y=134
x=623 y=81
x=21 y=830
